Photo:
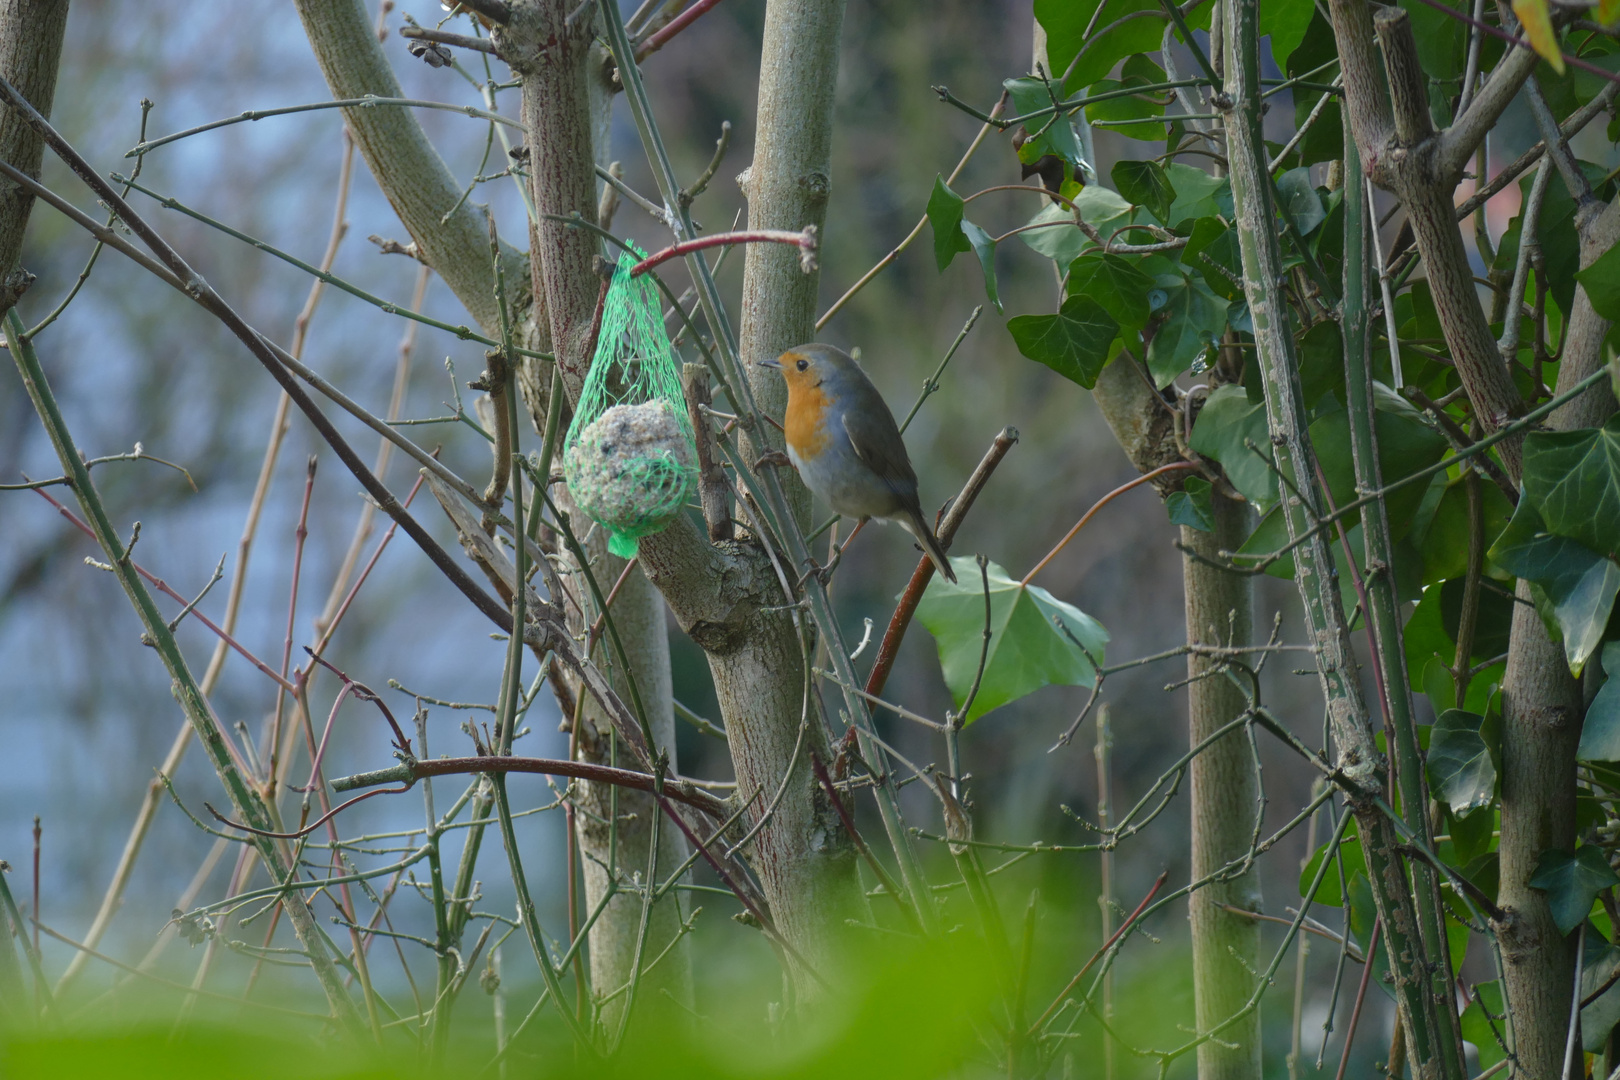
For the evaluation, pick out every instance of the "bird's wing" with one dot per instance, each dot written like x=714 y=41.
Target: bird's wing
x=876 y=439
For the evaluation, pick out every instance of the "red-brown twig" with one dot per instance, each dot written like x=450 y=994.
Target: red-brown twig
x=1361 y=996
x=804 y=240
x=680 y=22
x=312 y=826
x=414 y=770
x=163 y=587
x=920 y=577
x=1130 y=920
x=1522 y=43
x=1098 y=505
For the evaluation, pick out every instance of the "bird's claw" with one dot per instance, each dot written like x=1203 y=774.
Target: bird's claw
x=774 y=458
x=821 y=573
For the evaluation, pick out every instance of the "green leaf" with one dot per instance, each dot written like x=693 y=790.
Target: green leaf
x=1066 y=22
x=1573 y=478
x=1600 y=734
x=1059 y=239
x=1029 y=647
x=1462 y=769
x=1329 y=893
x=1137 y=107
x=1579 y=584
x=1116 y=284
x=1145 y=184
x=1285 y=21
x=1405 y=445
x=1600 y=964
x=1225 y=425
x=1191 y=506
x=1212 y=250
x=1193 y=320
x=1047 y=134
x=1198 y=194
x=1486 y=1034
x=1444 y=539
x=945 y=215
x=1572 y=882
x=1074 y=342
x=1298 y=197
x=1321 y=362
x=984 y=246
x=1442 y=40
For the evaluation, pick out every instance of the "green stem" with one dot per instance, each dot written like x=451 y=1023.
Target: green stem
x=1383 y=607
x=249 y=807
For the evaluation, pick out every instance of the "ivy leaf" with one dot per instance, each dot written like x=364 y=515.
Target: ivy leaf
x=1600 y=733
x=1048 y=134
x=1131 y=107
x=1194 y=319
x=1482 y=1031
x=945 y=216
x=1298 y=196
x=1598 y=970
x=1538 y=28
x=1462 y=769
x=1602 y=279
x=1405 y=445
x=1074 y=342
x=1579 y=584
x=1329 y=893
x=1059 y=239
x=1572 y=882
x=1285 y=21
x=1036 y=639
x=1226 y=424
x=1212 y=250
x=1115 y=283
x=984 y=246
x=1145 y=184
x=1191 y=506
x=1607 y=12
x=1066 y=23
x=1198 y=194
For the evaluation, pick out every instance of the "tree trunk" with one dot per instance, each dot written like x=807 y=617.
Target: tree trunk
x=1541 y=728
x=30 y=48
x=787 y=187
x=638 y=614
x=1224 y=798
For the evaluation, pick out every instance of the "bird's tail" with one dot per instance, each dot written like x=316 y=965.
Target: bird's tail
x=914 y=524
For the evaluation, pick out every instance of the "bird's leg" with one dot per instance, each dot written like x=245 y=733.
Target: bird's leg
x=825 y=572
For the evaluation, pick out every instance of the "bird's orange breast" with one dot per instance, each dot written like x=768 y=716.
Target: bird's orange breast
x=803 y=424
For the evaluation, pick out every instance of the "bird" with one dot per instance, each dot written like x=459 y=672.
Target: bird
x=843 y=441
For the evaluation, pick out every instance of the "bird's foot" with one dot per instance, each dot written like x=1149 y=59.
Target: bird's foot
x=822 y=574
x=774 y=458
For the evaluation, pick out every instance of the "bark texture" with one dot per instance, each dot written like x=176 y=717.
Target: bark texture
x=1224 y=799
x=30 y=50
x=406 y=165
x=787 y=187
x=562 y=111
x=1541 y=728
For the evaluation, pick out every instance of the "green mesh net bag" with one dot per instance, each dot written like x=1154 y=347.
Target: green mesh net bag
x=629 y=456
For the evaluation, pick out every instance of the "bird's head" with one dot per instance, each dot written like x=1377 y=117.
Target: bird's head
x=805 y=366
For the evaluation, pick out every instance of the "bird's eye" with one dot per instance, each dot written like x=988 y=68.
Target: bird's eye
x=802 y=364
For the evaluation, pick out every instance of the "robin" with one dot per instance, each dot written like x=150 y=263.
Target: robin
x=843 y=440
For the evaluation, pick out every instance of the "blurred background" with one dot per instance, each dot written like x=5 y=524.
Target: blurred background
x=85 y=711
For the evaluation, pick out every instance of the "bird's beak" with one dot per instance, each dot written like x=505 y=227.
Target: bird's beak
x=770 y=363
